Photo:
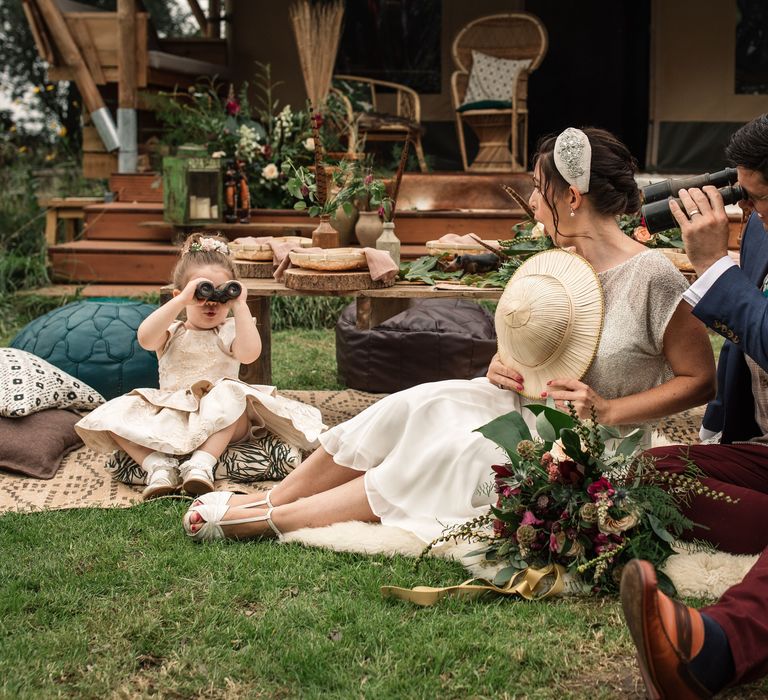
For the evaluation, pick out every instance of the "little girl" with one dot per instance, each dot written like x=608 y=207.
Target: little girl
x=201 y=406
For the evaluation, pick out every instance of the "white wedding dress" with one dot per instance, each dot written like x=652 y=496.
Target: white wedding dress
x=426 y=468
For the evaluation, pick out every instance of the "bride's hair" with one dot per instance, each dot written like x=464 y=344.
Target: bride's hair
x=612 y=186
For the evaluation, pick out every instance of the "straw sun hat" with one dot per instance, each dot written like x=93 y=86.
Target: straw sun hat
x=549 y=318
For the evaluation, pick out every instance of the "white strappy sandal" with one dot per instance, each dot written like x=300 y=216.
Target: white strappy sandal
x=222 y=498
x=213 y=519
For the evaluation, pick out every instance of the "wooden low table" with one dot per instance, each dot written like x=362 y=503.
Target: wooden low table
x=70 y=210
x=374 y=306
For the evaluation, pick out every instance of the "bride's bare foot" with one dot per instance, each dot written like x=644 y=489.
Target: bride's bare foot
x=236 y=500
x=208 y=522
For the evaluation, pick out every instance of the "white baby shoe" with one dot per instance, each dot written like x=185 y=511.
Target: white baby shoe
x=197 y=473
x=162 y=475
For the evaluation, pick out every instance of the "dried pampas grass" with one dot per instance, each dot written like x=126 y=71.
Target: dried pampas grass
x=317 y=28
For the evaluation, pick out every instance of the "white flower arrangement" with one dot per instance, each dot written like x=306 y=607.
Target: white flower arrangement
x=248 y=143
x=270 y=172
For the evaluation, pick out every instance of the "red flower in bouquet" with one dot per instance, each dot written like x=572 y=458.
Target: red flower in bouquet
x=602 y=488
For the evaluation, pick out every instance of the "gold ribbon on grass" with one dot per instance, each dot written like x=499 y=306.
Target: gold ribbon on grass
x=524 y=583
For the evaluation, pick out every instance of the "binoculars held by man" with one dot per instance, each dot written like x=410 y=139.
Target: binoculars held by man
x=205 y=291
x=655 y=212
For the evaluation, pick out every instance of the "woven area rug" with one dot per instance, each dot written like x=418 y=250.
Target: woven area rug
x=83 y=482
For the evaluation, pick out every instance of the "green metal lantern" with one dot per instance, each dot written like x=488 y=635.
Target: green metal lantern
x=192 y=187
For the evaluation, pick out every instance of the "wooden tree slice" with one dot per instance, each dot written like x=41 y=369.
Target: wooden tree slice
x=248 y=268
x=313 y=280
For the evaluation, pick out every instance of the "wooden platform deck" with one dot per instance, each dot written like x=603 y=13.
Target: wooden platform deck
x=128 y=241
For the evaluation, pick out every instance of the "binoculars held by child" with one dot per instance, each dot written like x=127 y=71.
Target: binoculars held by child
x=205 y=291
x=655 y=212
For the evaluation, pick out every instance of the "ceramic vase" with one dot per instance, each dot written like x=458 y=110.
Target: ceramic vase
x=368 y=228
x=345 y=224
x=389 y=241
x=325 y=236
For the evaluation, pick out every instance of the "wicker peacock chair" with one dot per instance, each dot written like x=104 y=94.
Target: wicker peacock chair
x=501 y=124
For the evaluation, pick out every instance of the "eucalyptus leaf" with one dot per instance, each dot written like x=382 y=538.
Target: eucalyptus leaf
x=671 y=242
x=503 y=576
x=550 y=421
x=608 y=432
x=659 y=529
x=630 y=442
x=506 y=431
x=572 y=446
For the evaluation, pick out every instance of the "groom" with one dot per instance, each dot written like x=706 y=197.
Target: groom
x=682 y=652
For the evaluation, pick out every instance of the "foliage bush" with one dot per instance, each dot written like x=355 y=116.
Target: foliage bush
x=310 y=313
x=22 y=223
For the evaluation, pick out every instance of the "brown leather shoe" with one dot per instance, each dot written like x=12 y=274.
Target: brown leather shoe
x=667 y=635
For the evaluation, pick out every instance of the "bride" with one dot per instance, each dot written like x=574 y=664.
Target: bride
x=412 y=459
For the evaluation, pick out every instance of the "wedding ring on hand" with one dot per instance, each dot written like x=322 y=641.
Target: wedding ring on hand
x=693 y=213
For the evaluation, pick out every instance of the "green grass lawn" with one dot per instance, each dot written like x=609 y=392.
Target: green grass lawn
x=118 y=603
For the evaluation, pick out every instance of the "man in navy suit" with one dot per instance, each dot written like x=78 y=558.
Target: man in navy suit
x=683 y=652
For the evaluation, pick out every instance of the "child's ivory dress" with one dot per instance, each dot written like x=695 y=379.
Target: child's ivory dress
x=199 y=395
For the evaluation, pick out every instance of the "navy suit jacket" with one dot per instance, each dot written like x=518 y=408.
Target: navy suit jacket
x=736 y=308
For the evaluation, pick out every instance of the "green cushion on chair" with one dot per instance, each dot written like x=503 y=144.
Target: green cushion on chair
x=485 y=104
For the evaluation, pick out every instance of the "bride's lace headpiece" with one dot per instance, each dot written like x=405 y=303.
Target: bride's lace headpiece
x=573 y=158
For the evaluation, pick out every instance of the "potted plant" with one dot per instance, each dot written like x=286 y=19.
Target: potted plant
x=310 y=188
x=369 y=193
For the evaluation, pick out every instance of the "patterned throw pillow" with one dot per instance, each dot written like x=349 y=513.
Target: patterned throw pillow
x=29 y=384
x=266 y=459
x=492 y=78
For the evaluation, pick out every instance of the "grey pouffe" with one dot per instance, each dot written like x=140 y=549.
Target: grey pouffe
x=433 y=340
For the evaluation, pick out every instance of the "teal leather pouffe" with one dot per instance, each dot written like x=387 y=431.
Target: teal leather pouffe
x=95 y=341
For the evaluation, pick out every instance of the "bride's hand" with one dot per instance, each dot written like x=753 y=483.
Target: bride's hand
x=581 y=396
x=502 y=376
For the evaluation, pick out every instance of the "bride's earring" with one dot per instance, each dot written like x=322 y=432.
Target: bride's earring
x=573 y=213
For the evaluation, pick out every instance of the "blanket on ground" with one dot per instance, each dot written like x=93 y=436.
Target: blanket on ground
x=82 y=481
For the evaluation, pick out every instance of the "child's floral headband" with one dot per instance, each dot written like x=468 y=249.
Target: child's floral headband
x=208 y=245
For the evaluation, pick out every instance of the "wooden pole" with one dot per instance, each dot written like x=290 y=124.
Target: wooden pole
x=84 y=80
x=197 y=11
x=71 y=55
x=214 y=19
x=126 y=85
x=126 y=54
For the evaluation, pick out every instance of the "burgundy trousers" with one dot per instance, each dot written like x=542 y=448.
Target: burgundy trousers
x=741 y=471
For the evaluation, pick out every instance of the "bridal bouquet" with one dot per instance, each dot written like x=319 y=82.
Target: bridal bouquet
x=578 y=496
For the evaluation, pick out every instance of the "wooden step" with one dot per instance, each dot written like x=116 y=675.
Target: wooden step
x=89 y=291
x=137 y=187
x=411 y=227
x=122 y=221
x=113 y=262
